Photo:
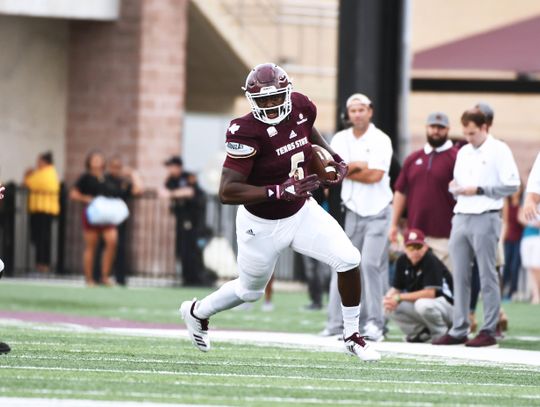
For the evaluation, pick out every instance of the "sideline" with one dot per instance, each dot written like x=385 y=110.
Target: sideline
x=262 y=338
x=314 y=342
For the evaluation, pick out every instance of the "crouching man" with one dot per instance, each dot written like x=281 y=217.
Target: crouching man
x=420 y=299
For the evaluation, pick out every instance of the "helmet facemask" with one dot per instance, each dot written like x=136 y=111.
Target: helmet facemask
x=283 y=109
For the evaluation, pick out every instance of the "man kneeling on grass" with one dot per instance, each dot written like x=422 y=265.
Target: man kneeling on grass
x=420 y=299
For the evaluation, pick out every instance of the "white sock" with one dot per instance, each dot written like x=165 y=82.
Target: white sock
x=351 y=319
x=223 y=298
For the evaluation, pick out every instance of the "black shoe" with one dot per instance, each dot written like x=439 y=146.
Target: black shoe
x=4 y=348
x=313 y=307
x=423 y=336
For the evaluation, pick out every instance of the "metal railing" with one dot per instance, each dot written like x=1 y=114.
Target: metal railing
x=147 y=246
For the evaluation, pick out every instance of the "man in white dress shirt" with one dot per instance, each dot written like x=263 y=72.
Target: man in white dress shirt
x=485 y=173
x=366 y=195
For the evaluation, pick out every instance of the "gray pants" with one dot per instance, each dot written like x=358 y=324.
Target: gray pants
x=334 y=323
x=432 y=313
x=475 y=236
x=370 y=235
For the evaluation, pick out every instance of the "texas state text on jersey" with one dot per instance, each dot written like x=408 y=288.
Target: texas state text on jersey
x=270 y=154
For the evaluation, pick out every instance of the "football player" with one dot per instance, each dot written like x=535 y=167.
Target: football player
x=266 y=173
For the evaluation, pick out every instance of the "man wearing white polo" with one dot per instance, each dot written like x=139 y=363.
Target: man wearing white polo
x=366 y=195
x=485 y=173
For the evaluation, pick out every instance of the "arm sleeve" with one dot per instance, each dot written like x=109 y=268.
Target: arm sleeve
x=432 y=272
x=401 y=265
x=82 y=184
x=338 y=144
x=31 y=180
x=382 y=156
x=241 y=148
x=533 y=184
x=508 y=175
x=402 y=183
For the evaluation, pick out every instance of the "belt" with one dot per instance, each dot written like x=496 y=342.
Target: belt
x=481 y=213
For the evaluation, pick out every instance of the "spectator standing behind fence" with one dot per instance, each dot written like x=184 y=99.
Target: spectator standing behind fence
x=92 y=183
x=420 y=299
x=513 y=231
x=422 y=188
x=485 y=173
x=530 y=245
x=366 y=195
x=188 y=205
x=127 y=183
x=4 y=347
x=43 y=205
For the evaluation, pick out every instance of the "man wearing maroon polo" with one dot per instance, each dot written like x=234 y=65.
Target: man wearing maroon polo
x=422 y=188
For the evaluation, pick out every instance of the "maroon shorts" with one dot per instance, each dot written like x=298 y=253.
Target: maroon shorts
x=88 y=226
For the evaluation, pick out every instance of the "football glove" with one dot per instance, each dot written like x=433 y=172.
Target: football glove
x=293 y=188
x=341 y=170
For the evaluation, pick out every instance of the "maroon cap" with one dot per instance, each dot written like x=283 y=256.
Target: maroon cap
x=414 y=236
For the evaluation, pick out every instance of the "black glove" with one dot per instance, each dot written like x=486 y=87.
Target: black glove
x=341 y=170
x=293 y=188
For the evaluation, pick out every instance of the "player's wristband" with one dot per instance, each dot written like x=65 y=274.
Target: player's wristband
x=398 y=298
x=272 y=192
x=337 y=158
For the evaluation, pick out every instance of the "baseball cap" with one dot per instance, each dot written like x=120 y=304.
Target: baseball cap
x=487 y=110
x=358 y=97
x=438 y=119
x=414 y=236
x=174 y=160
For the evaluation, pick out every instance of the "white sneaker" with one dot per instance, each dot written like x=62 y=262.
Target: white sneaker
x=197 y=328
x=372 y=333
x=330 y=332
x=356 y=346
x=267 y=306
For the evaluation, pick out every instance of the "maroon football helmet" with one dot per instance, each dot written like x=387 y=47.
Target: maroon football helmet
x=267 y=80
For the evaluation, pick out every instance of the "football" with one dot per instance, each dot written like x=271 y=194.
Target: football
x=319 y=164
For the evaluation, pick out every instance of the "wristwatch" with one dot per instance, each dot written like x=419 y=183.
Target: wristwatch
x=480 y=191
x=398 y=298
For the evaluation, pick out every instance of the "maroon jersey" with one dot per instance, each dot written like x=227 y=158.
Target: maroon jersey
x=424 y=179
x=270 y=154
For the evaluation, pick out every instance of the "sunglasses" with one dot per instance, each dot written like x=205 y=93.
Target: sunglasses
x=414 y=246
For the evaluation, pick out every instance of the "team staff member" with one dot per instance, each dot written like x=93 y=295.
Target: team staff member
x=188 y=203
x=422 y=188
x=484 y=174
x=265 y=172
x=366 y=195
x=531 y=215
x=531 y=209
x=420 y=300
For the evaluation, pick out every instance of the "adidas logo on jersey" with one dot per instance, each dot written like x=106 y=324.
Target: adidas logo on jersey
x=250 y=232
x=293 y=134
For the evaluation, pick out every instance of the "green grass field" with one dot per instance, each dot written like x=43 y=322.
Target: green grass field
x=52 y=361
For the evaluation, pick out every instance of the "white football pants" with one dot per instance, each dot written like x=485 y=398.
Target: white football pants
x=311 y=231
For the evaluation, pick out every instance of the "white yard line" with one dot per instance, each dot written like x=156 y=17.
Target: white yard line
x=494 y=355
x=43 y=402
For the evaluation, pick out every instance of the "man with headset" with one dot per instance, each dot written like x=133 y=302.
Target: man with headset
x=366 y=195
